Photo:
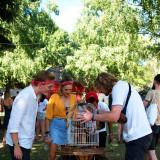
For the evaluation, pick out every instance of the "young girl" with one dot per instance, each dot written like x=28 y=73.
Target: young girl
x=57 y=110
x=40 y=124
x=7 y=104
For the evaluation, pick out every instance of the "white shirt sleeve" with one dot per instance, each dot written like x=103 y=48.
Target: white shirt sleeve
x=18 y=110
x=119 y=93
x=45 y=102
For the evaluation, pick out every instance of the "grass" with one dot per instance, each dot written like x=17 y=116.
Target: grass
x=38 y=152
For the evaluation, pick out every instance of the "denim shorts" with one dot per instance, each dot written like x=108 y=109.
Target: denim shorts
x=41 y=116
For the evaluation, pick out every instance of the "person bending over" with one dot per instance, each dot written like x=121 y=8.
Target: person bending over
x=137 y=132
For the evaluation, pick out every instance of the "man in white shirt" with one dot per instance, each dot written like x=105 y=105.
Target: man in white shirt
x=101 y=107
x=137 y=132
x=21 y=127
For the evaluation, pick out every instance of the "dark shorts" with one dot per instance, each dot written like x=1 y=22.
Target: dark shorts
x=137 y=149
x=156 y=134
x=25 y=152
x=102 y=139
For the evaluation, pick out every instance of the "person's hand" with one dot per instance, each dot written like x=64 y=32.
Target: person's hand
x=44 y=109
x=84 y=117
x=18 y=152
x=48 y=140
x=110 y=138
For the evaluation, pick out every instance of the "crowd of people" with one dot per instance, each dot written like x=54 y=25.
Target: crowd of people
x=31 y=112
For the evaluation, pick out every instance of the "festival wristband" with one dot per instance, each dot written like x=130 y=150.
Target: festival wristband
x=47 y=135
x=93 y=117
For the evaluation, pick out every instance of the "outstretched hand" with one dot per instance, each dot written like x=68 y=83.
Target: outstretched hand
x=84 y=117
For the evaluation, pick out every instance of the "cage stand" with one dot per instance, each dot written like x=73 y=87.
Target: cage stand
x=83 y=153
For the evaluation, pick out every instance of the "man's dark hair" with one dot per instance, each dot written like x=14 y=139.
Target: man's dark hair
x=157 y=78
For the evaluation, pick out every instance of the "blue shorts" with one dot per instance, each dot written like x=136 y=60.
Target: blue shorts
x=58 y=131
x=41 y=116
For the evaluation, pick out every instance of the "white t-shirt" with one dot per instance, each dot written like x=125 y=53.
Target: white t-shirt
x=137 y=124
x=103 y=107
x=23 y=118
x=42 y=105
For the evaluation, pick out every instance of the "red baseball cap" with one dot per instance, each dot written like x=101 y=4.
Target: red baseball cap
x=91 y=95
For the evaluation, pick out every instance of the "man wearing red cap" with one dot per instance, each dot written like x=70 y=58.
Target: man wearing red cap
x=102 y=107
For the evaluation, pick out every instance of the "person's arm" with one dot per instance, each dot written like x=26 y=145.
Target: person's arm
x=48 y=117
x=48 y=135
x=11 y=101
x=2 y=105
x=148 y=98
x=17 y=113
x=110 y=128
x=111 y=116
x=45 y=102
x=45 y=108
x=145 y=103
x=17 y=150
x=47 y=122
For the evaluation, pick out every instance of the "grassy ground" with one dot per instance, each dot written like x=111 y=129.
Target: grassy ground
x=38 y=152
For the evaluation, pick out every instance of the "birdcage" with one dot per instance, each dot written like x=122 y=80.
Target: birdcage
x=82 y=134
x=82 y=137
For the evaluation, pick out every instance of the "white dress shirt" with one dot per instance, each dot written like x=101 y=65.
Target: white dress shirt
x=23 y=118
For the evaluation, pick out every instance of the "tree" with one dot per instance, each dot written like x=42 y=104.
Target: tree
x=150 y=13
x=108 y=34
x=39 y=43
x=8 y=11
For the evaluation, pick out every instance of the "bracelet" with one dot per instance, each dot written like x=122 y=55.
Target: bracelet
x=93 y=117
x=16 y=144
x=47 y=132
x=47 y=135
x=110 y=133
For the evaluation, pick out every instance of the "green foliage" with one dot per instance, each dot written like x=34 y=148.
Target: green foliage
x=8 y=11
x=150 y=14
x=52 y=7
x=109 y=37
x=106 y=38
x=40 y=44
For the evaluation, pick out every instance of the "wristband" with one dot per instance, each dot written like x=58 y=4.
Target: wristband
x=47 y=135
x=110 y=133
x=93 y=117
x=16 y=144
